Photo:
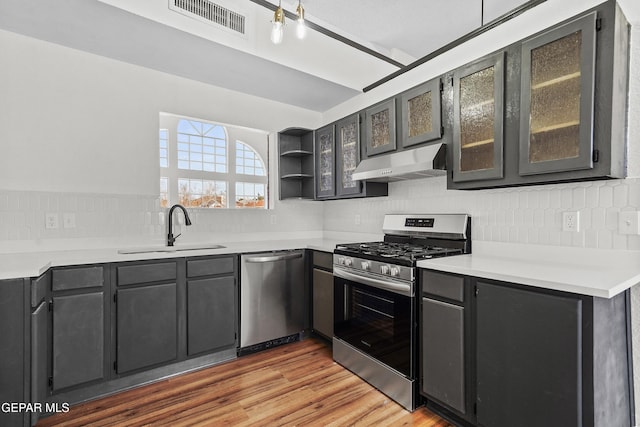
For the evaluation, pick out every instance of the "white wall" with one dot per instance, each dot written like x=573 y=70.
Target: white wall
x=79 y=134
x=72 y=121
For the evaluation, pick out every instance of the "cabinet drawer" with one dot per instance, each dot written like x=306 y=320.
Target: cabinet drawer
x=145 y=273
x=210 y=266
x=77 y=278
x=323 y=260
x=443 y=285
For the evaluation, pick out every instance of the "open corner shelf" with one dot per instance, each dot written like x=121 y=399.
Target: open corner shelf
x=296 y=164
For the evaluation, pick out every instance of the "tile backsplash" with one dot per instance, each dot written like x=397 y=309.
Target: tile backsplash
x=108 y=220
x=516 y=215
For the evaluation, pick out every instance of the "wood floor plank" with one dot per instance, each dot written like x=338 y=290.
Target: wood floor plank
x=295 y=384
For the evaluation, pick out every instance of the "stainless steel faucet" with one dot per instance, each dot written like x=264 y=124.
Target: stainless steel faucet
x=187 y=221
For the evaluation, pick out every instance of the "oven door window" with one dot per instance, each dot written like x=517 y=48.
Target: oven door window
x=375 y=321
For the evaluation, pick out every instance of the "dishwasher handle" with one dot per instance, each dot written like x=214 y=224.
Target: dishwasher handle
x=274 y=258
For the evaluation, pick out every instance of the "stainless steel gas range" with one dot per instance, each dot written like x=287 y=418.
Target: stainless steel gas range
x=375 y=304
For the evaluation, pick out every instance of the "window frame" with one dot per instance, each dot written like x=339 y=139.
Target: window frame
x=257 y=140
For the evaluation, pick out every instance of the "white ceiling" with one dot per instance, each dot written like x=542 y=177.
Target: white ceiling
x=316 y=73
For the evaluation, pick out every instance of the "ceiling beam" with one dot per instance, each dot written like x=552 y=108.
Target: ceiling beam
x=331 y=34
x=483 y=29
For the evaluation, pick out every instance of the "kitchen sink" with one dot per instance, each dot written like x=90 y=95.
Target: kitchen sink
x=151 y=249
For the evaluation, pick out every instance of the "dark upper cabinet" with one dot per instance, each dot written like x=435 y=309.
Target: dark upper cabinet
x=557 y=97
x=420 y=113
x=337 y=152
x=565 y=97
x=380 y=128
x=478 y=102
x=325 y=153
x=347 y=155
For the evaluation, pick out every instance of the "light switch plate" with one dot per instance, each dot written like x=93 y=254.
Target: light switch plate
x=69 y=220
x=629 y=222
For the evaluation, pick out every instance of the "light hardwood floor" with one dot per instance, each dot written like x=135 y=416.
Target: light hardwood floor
x=296 y=384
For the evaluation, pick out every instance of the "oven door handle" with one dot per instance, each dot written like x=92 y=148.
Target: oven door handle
x=395 y=287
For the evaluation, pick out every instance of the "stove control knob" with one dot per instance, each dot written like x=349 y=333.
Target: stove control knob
x=395 y=271
x=384 y=269
x=365 y=265
x=341 y=260
x=348 y=262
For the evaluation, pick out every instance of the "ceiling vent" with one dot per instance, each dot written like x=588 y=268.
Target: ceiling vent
x=210 y=12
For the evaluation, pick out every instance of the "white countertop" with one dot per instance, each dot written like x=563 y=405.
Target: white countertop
x=32 y=264
x=594 y=272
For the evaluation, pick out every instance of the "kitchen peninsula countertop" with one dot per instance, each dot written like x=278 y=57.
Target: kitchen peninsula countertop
x=32 y=264
x=593 y=272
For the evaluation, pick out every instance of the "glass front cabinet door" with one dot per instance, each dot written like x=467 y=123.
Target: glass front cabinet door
x=325 y=162
x=380 y=128
x=347 y=155
x=421 y=113
x=478 y=101
x=557 y=92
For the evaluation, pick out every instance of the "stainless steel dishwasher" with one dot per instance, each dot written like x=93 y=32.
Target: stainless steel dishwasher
x=272 y=302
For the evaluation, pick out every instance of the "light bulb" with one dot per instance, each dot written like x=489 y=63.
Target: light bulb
x=301 y=28
x=277 y=33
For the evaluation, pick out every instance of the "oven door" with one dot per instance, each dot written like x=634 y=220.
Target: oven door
x=376 y=321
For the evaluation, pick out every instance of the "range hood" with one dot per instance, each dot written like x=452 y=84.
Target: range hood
x=408 y=164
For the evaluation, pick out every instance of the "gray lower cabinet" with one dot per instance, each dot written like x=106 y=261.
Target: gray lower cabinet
x=498 y=354
x=212 y=304
x=78 y=339
x=211 y=314
x=13 y=351
x=146 y=314
x=147 y=326
x=79 y=335
x=529 y=358
x=443 y=374
x=322 y=290
x=445 y=362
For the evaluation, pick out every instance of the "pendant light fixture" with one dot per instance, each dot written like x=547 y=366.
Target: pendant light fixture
x=301 y=28
x=277 y=31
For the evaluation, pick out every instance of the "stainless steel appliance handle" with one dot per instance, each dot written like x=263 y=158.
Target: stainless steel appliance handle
x=274 y=258
x=387 y=285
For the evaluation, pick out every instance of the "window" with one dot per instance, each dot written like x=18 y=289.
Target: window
x=210 y=165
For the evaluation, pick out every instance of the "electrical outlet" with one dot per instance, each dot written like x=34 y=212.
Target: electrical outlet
x=274 y=219
x=629 y=222
x=571 y=221
x=357 y=220
x=69 y=220
x=51 y=221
